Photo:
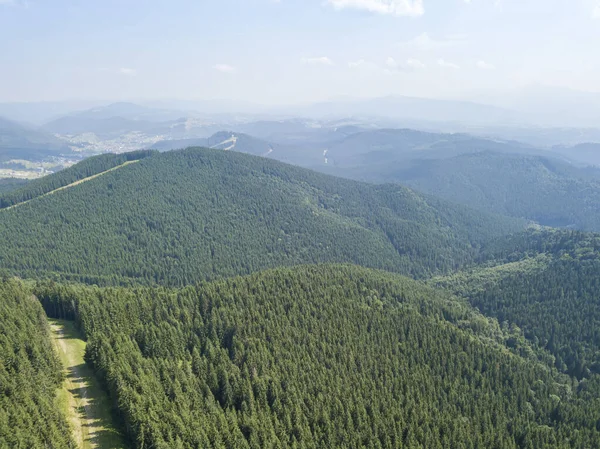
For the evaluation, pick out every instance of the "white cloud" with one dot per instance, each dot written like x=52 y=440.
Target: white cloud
x=411 y=8
x=127 y=71
x=391 y=63
x=224 y=68
x=485 y=66
x=357 y=64
x=424 y=42
x=414 y=64
x=323 y=60
x=408 y=65
x=448 y=65
x=596 y=12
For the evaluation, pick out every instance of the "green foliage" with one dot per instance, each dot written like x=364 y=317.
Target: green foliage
x=319 y=356
x=548 y=191
x=85 y=169
x=30 y=374
x=181 y=217
x=546 y=283
x=9 y=184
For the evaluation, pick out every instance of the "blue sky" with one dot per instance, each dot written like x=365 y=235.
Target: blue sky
x=290 y=51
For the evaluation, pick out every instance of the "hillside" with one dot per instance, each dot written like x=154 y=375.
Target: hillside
x=303 y=155
x=30 y=374
x=547 y=284
x=543 y=189
x=585 y=153
x=540 y=189
x=15 y=195
x=114 y=120
x=184 y=216
x=223 y=140
x=319 y=356
x=21 y=142
x=130 y=111
x=384 y=146
x=104 y=128
x=10 y=184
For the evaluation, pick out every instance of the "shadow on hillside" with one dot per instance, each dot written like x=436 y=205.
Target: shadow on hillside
x=97 y=411
x=94 y=407
x=69 y=331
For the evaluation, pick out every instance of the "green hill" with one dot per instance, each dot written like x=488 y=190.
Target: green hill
x=547 y=284
x=543 y=189
x=320 y=356
x=184 y=216
x=10 y=184
x=30 y=374
x=92 y=166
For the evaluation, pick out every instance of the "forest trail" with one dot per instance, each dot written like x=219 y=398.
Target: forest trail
x=85 y=404
x=73 y=184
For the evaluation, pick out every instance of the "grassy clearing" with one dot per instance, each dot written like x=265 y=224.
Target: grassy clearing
x=81 y=397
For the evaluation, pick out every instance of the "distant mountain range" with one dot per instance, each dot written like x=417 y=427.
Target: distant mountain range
x=413 y=108
x=511 y=178
x=550 y=188
x=22 y=142
x=585 y=153
x=550 y=106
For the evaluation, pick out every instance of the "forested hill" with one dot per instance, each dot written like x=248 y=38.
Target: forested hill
x=30 y=374
x=89 y=167
x=547 y=284
x=10 y=184
x=184 y=216
x=546 y=190
x=320 y=357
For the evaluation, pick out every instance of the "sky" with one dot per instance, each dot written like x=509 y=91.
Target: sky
x=293 y=51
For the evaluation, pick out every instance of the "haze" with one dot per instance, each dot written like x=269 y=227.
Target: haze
x=285 y=52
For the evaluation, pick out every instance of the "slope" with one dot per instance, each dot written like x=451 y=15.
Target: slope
x=244 y=143
x=585 y=153
x=85 y=170
x=543 y=189
x=386 y=146
x=320 y=356
x=184 y=216
x=30 y=374
x=10 y=184
x=547 y=284
x=21 y=142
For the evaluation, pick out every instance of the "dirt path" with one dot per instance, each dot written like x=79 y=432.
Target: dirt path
x=86 y=405
x=73 y=184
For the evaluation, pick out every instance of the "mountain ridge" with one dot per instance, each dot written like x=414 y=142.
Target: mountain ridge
x=234 y=214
